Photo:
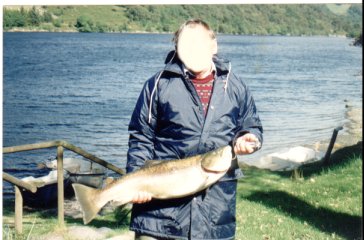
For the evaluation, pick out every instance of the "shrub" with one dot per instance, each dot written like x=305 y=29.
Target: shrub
x=84 y=24
x=57 y=23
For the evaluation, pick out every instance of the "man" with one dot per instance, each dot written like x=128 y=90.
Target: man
x=194 y=105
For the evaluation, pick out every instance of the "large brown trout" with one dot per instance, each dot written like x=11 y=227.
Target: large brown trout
x=163 y=180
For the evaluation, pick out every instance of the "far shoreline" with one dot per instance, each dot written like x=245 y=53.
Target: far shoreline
x=20 y=30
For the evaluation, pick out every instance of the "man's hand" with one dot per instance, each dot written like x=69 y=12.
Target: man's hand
x=246 y=144
x=142 y=197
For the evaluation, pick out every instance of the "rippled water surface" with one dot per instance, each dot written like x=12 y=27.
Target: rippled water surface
x=83 y=87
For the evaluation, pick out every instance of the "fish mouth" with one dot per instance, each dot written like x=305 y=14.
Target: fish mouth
x=213 y=171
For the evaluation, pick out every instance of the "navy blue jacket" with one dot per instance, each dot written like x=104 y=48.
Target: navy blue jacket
x=168 y=122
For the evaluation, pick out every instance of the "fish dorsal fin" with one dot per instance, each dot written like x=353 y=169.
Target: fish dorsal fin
x=150 y=163
x=147 y=163
x=109 y=180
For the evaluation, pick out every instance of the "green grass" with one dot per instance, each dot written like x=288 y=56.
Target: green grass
x=112 y=16
x=324 y=203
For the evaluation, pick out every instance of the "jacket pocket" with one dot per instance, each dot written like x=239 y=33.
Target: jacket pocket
x=221 y=198
x=167 y=217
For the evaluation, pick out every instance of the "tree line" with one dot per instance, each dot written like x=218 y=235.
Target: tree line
x=293 y=19
x=276 y=19
x=23 y=18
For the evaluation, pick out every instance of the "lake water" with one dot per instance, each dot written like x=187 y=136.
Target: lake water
x=83 y=87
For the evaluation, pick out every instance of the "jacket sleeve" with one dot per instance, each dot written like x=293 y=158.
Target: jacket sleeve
x=249 y=121
x=141 y=128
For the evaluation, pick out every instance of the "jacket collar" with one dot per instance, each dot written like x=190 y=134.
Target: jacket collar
x=192 y=75
x=175 y=65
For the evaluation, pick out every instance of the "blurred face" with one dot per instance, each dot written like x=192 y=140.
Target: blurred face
x=195 y=48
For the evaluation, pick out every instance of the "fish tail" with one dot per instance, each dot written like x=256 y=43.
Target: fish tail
x=87 y=197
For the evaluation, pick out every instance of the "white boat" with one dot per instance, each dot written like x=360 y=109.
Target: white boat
x=46 y=194
x=81 y=171
x=288 y=159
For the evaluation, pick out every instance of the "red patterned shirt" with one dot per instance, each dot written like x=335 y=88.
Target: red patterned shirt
x=204 y=89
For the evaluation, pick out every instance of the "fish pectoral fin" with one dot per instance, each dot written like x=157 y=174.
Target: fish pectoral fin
x=109 y=180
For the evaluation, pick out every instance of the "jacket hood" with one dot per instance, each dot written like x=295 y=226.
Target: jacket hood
x=174 y=65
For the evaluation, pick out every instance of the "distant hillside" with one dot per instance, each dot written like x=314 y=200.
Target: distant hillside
x=290 y=19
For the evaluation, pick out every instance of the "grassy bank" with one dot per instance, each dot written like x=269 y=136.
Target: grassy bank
x=257 y=19
x=325 y=203
x=43 y=224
